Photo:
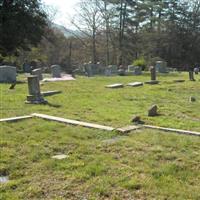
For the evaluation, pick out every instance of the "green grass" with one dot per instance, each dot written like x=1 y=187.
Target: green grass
x=147 y=164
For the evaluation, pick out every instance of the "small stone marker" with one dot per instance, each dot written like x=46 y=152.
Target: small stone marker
x=35 y=96
x=136 y=119
x=8 y=74
x=192 y=99
x=60 y=157
x=135 y=84
x=37 y=72
x=56 y=71
x=113 y=86
x=153 y=111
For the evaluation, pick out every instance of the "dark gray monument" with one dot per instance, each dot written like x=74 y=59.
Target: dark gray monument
x=35 y=96
x=7 y=74
x=153 y=76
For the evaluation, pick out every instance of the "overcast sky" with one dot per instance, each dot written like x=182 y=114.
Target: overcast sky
x=65 y=9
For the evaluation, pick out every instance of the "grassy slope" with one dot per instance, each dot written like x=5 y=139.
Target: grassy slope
x=146 y=165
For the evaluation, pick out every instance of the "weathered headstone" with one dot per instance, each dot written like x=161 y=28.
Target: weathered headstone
x=153 y=76
x=35 y=96
x=111 y=70
x=37 y=72
x=131 y=68
x=153 y=111
x=135 y=84
x=161 y=67
x=137 y=70
x=191 y=75
x=113 y=86
x=7 y=74
x=56 y=71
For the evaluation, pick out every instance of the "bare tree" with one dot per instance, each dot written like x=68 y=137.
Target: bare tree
x=89 y=21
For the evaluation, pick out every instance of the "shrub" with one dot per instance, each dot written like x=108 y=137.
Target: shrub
x=140 y=62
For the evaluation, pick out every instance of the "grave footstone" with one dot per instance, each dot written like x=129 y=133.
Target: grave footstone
x=56 y=71
x=35 y=96
x=37 y=72
x=135 y=84
x=7 y=74
x=113 y=86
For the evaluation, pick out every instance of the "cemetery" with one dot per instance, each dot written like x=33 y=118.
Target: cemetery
x=83 y=133
x=99 y=100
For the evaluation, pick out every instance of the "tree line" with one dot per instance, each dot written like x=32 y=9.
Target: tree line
x=110 y=32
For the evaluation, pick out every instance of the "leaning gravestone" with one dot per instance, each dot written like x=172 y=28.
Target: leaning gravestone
x=7 y=74
x=56 y=71
x=37 y=72
x=35 y=96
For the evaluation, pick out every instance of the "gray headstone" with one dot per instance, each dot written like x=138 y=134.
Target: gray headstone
x=56 y=71
x=34 y=96
x=135 y=84
x=37 y=72
x=161 y=67
x=137 y=70
x=7 y=74
x=117 y=85
x=131 y=68
x=153 y=111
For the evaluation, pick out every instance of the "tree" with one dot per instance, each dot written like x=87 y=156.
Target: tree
x=22 y=24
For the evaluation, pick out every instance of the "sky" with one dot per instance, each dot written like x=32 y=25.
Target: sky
x=64 y=10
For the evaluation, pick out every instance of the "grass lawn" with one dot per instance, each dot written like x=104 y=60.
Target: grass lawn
x=146 y=164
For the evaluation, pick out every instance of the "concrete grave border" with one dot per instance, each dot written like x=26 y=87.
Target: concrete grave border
x=122 y=130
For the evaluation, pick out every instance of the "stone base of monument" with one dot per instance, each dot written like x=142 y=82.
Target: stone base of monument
x=152 y=82
x=31 y=99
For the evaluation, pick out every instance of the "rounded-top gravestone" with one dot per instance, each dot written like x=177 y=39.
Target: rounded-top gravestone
x=7 y=74
x=56 y=71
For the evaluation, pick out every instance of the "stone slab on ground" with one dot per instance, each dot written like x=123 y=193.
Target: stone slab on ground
x=173 y=130
x=116 y=85
x=135 y=84
x=178 y=81
x=73 y=122
x=13 y=119
x=128 y=129
x=60 y=157
x=152 y=82
x=66 y=77
x=50 y=93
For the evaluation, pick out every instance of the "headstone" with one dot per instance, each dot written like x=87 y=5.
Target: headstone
x=153 y=76
x=192 y=99
x=153 y=111
x=161 y=67
x=37 y=72
x=131 y=68
x=35 y=96
x=191 y=76
x=88 y=69
x=56 y=71
x=111 y=70
x=137 y=70
x=7 y=74
x=136 y=119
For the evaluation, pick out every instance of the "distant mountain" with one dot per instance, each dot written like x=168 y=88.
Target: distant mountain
x=67 y=32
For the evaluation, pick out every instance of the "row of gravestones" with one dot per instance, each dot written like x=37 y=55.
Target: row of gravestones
x=94 y=69
x=8 y=74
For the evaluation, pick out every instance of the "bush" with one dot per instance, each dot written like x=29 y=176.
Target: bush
x=140 y=62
